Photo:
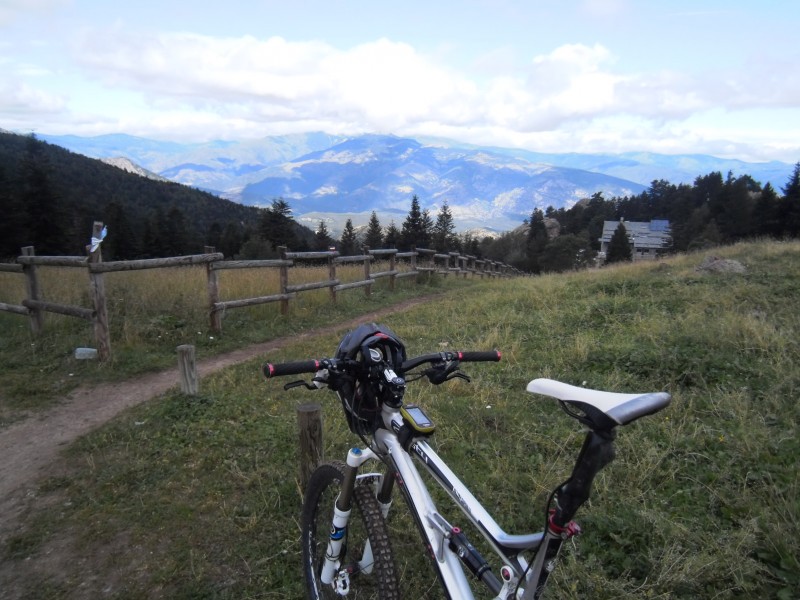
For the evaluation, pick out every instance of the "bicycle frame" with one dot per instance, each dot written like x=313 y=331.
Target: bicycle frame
x=448 y=546
x=364 y=375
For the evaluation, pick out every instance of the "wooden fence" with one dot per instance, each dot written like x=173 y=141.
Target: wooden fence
x=400 y=264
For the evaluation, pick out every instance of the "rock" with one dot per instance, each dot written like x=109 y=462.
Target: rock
x=714 y=264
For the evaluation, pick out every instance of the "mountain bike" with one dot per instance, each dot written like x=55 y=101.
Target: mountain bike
x=347 y=541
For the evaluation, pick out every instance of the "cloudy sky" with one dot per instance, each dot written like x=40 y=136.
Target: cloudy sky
x=678 y=76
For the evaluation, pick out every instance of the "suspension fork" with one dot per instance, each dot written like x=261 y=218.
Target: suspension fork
x=385 y=495
x=341 y=514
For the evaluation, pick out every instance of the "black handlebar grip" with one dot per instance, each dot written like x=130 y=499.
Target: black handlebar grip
x=291 y=368
x=482 y=356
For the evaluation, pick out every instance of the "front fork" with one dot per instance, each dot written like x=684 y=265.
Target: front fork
x=330 y=574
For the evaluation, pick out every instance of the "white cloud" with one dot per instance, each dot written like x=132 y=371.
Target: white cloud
x=19 y=98
x=569 y=97
x=379 y=84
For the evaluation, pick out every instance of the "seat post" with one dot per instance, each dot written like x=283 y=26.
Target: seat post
x=597 y=451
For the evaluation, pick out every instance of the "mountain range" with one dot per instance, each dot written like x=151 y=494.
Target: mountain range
x=332 y=178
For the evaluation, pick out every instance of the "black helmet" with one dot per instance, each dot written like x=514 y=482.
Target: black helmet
x=374 y=381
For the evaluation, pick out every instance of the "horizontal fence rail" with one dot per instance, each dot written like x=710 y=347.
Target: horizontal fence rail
x=417 y=262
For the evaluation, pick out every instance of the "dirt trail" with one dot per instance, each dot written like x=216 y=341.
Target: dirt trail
x=29 y=448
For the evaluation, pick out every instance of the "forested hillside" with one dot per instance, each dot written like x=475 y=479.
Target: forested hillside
x=49 y=198
x=714 y=210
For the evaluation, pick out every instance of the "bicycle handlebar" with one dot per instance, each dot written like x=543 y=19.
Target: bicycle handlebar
x=312 y=366
x=296 y=368
x=444 y=357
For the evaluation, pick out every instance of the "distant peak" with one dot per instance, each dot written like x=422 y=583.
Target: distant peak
x=128 y=165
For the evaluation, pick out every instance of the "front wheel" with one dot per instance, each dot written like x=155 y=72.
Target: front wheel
x=365 y=565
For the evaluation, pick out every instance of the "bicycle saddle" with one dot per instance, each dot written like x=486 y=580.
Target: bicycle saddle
x=620 y=409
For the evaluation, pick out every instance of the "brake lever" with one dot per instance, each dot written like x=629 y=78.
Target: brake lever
x=446 y=372
x=300 y=383
x=320 y=380
x=436 y=375
x=460 y=375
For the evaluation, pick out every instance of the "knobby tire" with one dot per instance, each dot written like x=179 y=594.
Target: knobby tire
x=366 y=522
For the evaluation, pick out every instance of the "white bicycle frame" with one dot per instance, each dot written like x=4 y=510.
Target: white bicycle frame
x=437 y=531
x=399 y=442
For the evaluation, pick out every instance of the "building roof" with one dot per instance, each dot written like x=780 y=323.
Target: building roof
x=642 y=234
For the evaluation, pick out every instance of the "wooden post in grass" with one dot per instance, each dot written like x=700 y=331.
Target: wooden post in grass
x=212 y=286
x=32 y=283
x=188 y=369
x=332 y=276
x=97 y=288
x=368 y=287
x=284 y=281
x=392 y=267
x=309 y=421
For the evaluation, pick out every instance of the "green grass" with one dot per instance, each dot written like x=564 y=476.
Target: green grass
x=152 y=312
x=198 y=498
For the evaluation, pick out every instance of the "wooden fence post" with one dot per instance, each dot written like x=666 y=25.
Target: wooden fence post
x=212 y=286
x=454 y=256
x=368 y=287
x=309 y=420
x=34 y=293
x=392 y=267
x=188 y=369
x=97 y=289
x=34 y=308
x=332 y=277
x=284 y=281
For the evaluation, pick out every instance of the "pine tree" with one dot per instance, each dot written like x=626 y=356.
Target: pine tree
x=348 y=243
x=443 y=231
x=733 y=207
x=619 y=248
x=277 y=225
x=392 y=239
x=122 y=242
x=424 y=239
x=13 y=224
x=470 y=245
x=46 y=211
x=537 y=240
x=565 y=253
x=231 y=240
x=790 y=204
x=175 y=237
x=416 y=227
x=153 y=243
x=322 y=239
x=214 y=235
x=766 y=219
x=374 y=238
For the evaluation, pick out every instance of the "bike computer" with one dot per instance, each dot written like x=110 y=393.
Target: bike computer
x=417 y=419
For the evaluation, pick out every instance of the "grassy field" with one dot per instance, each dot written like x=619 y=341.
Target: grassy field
x=153 y=311
x=198 y=497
